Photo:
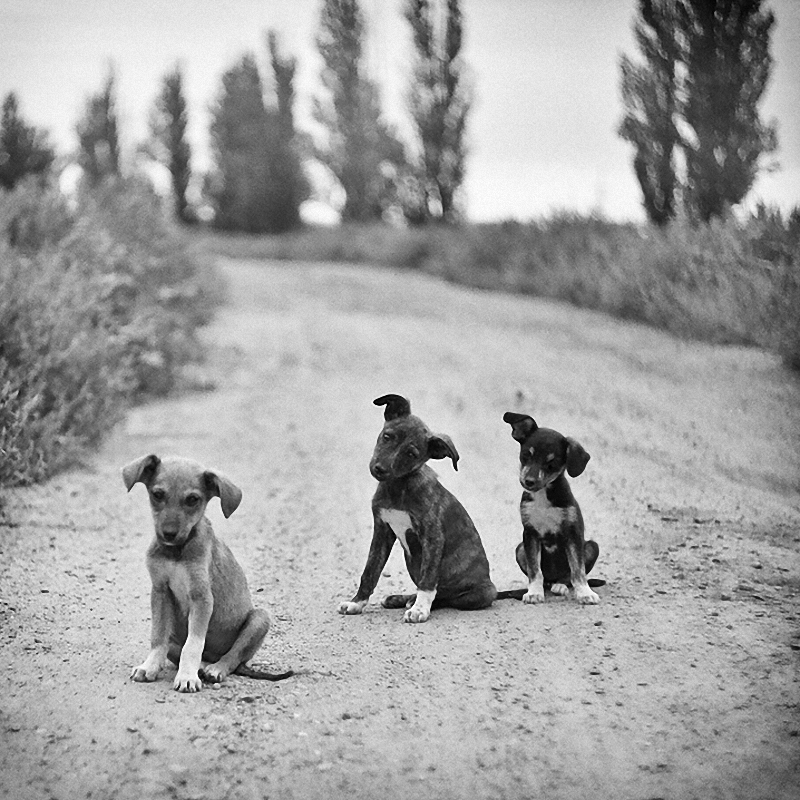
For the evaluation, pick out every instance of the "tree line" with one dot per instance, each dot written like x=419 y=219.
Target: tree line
x=690 y=112
x=691 y=104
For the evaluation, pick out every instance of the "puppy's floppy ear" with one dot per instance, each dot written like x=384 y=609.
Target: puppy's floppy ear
x=141 y=470
x=577 y=458
x=229 y=494
x=521 y=425
x=441 y=446
x=396 y=406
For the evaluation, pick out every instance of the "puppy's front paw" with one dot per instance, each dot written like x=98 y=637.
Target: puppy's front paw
x=148 y=670
x=532 y=597
x=187 y=682
x=416 y=614
x=586 y=597
x=351 y=607
x=143 y=674
x=559 y=589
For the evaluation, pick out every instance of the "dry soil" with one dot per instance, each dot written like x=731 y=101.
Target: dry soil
x=682 y=683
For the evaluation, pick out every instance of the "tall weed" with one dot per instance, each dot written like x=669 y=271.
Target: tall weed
x=729 y=282
x=99 y=307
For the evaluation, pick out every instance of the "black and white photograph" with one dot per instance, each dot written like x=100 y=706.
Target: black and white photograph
x=400 y=399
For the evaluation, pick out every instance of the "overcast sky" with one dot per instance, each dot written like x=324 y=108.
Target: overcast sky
x=542 y=134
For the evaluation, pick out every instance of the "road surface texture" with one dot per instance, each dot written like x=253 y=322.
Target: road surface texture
x=684 y=681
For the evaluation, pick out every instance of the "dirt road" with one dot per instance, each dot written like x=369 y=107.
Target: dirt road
x=682 y=683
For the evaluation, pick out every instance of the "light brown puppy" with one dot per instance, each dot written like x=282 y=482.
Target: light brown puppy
x=203 y=617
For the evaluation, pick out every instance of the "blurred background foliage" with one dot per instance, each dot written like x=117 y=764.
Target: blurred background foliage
x=103 y=289
x=100 y=306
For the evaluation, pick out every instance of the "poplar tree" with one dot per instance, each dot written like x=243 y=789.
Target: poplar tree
x=98 y=135
x=168 y=123
x=439 y=101
x=239 y=188
x=706 y=67
x=258 y=183
x=24 y=149
x=360 y=149
x=727 y=62
x=649 y=96
x=290 y=185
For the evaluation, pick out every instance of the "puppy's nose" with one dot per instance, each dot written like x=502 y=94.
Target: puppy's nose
x=378 y=471
x=169 y=534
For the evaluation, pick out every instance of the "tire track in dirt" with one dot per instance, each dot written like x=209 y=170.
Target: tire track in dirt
x=682 y=683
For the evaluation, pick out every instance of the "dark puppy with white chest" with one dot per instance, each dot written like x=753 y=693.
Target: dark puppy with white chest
x=553 y=551
x=443 y=551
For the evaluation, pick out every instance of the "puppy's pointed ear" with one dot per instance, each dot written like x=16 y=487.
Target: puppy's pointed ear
x=396 y=406
x=521 y=425
x=141 y=470
x=577 y=458
x=230 y=495
x=441 y=446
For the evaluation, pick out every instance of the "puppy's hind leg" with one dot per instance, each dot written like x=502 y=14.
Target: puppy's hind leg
x=475 y=598
x=251 y=635
x=398 y=600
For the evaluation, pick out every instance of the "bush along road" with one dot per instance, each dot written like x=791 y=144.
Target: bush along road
x=682 y=682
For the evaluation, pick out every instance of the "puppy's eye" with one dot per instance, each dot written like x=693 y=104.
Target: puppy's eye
x=413 y=452
x=191 y=501
x=387 y=437
x=158 y=495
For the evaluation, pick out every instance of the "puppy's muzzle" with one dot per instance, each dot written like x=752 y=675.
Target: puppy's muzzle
x=169 y=531
x=535 y=482
x=379 y=472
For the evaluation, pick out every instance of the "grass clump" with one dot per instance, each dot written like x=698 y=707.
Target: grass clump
x=729 y=282
x=99 y=307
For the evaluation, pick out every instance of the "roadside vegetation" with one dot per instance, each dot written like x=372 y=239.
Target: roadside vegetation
x=725 y=282
x=101 y=295
x=99 y=308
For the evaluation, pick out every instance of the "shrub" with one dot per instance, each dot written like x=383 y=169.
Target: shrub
x=99 y=307
x=726 y=282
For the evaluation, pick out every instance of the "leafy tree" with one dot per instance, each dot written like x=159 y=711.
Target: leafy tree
x=24 y=150
x=362 y=152
x=706 y=66
x=439 y=100
x=259 y=182
x=98 y=135
x=240 y=186
x=290 y=185
x=727 y=62
x=168 y=123
x=649 y=95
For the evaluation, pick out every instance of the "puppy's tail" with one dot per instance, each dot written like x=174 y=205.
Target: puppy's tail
x=511 y=594
x=261 y=674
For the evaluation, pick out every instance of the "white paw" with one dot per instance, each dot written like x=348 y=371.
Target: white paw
x=187 y=682
x=533 y=597
x=142 y=674
x=585 y=596
x=416 y=614
x=351 y=607
x=560 y=589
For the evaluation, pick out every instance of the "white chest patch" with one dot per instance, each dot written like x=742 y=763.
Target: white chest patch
x=399 y=522
x=544 y=517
